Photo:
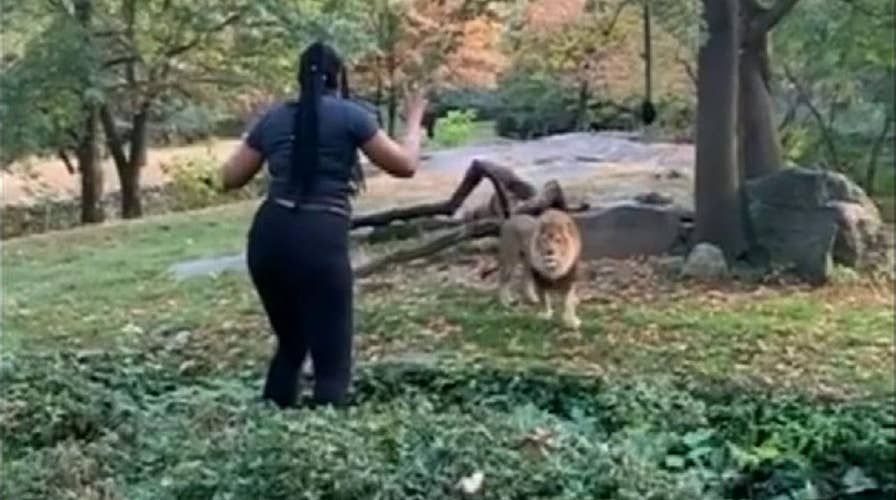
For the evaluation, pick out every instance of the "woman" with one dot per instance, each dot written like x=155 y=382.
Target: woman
x=298 y=244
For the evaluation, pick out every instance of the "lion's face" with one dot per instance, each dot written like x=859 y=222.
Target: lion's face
x=556 y=243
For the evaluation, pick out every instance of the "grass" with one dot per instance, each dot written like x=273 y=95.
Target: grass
x=121 y=382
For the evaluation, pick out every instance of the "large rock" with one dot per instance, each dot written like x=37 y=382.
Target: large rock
x=705 y=262
x=803 y=238
x=812 y=217
x=629 y=230
x=857 y=229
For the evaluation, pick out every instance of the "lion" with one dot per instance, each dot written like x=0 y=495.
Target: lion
x=549 y=247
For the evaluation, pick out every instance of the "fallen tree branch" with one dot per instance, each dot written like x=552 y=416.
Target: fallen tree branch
x=479 y=229
x=530 y=202
x=500 y=177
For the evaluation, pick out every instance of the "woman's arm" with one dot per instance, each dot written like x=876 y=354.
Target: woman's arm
x=242 y=165
x=400 y=160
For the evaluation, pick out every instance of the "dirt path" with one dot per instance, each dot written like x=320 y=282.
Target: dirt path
x=40 y=178
x=600 y=167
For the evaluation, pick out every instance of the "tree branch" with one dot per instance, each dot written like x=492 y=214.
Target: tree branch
x=688 y=68
x=192 y=44
x=502 y=179
x=616 y=13
x=116 y=61
x=819 y=118
x=113 y=140
x=66 y=160
x=551 y=196
x=479 y=229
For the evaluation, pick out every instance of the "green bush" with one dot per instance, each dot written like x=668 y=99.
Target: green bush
x=192 y=185
x=456 y=128
x=487 y=103
x=804 y=144
x=126 y=424
x=534 y=105
x=676 y=117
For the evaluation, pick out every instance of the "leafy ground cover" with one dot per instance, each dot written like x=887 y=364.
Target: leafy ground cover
x=121 y=382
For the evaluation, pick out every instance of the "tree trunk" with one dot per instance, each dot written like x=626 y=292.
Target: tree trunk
x=648 y=54
x=582 y=105
x=131 y=205
x=139 y=138
x=87 y=150
x=717 y=190
x=128 y=171
x=758 y=139
x=91 y=171
x=392 y=110
x=379 y=97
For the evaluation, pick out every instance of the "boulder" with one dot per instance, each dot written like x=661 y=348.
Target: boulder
x=802 y=238
x=857 y=229
x=705 y=262
x=629 y=230
x=812 y=218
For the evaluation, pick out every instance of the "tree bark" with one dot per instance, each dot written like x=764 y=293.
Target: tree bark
x=648 y=53
x=758 y=139
x=719 y=217
x=759 y=144
x=87 y=150
x=582 y=105
x=128 y=172
x=131 y=203
x=91 y=171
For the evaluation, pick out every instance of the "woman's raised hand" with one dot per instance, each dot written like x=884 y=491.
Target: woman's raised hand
x=415 y=103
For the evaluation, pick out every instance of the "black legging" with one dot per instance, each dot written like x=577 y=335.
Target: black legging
x=300 y=265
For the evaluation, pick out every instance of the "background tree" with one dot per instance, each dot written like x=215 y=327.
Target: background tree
x=575 y=63
x=435 y=43
x=51 y=93
x=152 y=49
x=837 y=88
x=717 y=190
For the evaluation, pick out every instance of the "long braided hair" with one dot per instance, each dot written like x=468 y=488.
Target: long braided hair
x=320 y=70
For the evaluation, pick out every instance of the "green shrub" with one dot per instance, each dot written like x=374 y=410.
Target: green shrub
x=487 y=103
x=676 y=117
x=415 y=430
x=192 y=185
x=456 y=128
x=534 y=105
